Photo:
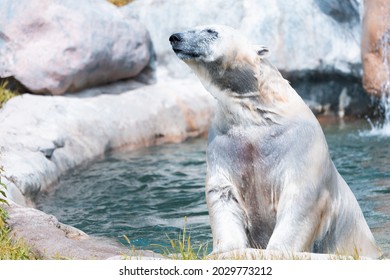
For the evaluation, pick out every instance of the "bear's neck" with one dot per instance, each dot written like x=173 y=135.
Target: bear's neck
x=266 y=103
x=249 y=93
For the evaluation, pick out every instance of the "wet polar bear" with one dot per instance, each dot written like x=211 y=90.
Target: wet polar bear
x=270 y=180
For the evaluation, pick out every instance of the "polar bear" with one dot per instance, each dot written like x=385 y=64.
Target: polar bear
x=270 y=183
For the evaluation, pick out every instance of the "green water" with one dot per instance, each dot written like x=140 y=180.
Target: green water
x=146 y=194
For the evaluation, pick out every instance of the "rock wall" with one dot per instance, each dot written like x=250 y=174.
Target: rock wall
x=376 y=46
x=57 y=46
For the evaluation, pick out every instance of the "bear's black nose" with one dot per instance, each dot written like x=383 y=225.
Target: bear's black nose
x=175 y=38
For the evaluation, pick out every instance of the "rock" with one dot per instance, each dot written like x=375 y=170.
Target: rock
x=50 y=239
x=376 y=47
x=57 y=46
x=63 y=132
x=337 y=95
x=340 y=11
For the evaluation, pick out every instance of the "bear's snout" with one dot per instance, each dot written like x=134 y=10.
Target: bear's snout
x=188 y=45
x=176 y=41
x=182 y=47
x=174 y=38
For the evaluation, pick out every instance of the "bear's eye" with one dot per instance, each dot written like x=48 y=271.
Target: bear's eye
x=212 y=32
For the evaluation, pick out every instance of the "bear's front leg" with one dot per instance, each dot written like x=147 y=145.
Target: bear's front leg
x=302 y=217
x=227 y=216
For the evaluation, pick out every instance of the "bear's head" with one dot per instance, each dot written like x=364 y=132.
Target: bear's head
x=222 y=58
x=213 y=43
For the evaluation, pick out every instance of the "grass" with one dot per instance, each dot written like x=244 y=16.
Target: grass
x=182 y=248
x=120 y=3
x=10 y=249
x=5 y=93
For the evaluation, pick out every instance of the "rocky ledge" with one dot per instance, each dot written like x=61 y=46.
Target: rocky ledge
x=50 y=239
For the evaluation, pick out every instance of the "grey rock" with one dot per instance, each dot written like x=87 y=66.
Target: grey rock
x=341 y=11
x=58 y=46
x=327 y=91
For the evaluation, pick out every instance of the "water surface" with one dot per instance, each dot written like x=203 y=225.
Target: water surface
x=146 y=194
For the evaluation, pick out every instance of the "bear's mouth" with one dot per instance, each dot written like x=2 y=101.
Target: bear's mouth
x=183 y=54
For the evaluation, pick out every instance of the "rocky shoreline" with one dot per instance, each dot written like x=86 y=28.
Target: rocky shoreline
x=43 y=137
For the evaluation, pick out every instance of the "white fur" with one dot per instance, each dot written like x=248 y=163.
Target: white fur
x=227 y=218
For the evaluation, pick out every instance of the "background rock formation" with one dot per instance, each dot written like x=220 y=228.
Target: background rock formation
x=54 y=46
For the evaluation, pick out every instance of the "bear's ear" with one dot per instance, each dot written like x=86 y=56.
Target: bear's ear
x=262 y=51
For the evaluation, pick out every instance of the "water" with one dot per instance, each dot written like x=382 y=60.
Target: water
x=382 y=127
x=363 y=159
x=146 y=194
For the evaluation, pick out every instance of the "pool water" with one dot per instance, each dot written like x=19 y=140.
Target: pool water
x=144 y=195
x=151 y=194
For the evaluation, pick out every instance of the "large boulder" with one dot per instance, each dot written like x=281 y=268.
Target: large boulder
x=376 y=46
x=54 y=46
